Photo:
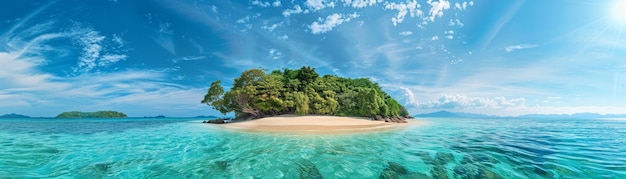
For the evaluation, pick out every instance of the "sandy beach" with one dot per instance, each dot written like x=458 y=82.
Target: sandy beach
x=317 y=124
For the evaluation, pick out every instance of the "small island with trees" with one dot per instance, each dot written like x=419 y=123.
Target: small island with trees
x=257 y=94
x=97 y=114
x=13 y=115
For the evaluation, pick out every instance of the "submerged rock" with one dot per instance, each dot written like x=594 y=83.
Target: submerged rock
x=443 y=158
x=220 y=165
x=425 y=156
x=484 y=173
x=397 y=171
x=468 y=171
x=439 y=171
x=393 y=171
x=543 y=172
x=396 y=167
x=388 y=174
x=103 y=167
x=308 y=170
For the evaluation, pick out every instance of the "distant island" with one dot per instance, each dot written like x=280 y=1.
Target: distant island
x=448 y=114
x=97 y=114
x=203 y=116
x=256 y=94
x=13 y=115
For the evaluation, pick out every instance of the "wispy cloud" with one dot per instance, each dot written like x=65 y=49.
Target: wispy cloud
x=271 y=28
x=277 y=3
x=96 y=51
x=187 y=58
x=463 y=6
x=406 y=33
x=360 y=3
x=317 y=5
x=519 y=47
x=296 y=10
x=455 y=22
x=325 y=25
x=260 y=3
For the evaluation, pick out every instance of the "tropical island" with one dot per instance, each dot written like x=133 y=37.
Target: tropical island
x=97 y=114
x=287 y=95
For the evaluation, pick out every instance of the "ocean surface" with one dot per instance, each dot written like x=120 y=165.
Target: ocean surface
x=186 y=148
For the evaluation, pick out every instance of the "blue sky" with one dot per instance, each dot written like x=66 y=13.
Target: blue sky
x=148 y=58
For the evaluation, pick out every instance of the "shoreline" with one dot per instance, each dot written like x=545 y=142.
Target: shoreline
x=317 y=124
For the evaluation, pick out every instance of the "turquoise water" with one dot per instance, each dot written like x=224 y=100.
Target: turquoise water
x=445 y=148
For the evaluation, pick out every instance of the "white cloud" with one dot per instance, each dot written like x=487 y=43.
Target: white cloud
x=463 y=6
x=360 y=3
x=276 y=3
x=296 y=10
x=519 y=47
x=260 y=3
x=464 y=102
x=317 y=5
x=406 y=33
x=409 y=97
x=437 y=8
x=434 y=38
x=325 y=25
x=450 y=37
x=411 y=7
x=455 y=22
x=272 y=27
x=243 y=20
x=275 y=54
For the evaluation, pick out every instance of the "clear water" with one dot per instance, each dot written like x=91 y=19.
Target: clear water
x=445 y=148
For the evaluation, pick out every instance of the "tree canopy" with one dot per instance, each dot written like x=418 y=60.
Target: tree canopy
x=302 y=92
x=98 y=114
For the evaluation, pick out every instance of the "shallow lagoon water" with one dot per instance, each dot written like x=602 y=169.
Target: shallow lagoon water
x=444 y=148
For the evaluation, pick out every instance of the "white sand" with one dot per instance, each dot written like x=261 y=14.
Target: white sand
x=316 y=124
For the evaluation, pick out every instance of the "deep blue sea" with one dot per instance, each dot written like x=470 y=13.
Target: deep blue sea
x=186 y=148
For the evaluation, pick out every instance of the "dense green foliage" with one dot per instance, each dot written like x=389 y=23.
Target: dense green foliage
x=98 y=114
x=302 y=92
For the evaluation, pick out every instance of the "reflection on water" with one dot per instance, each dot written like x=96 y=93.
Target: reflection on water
x=445 y=148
